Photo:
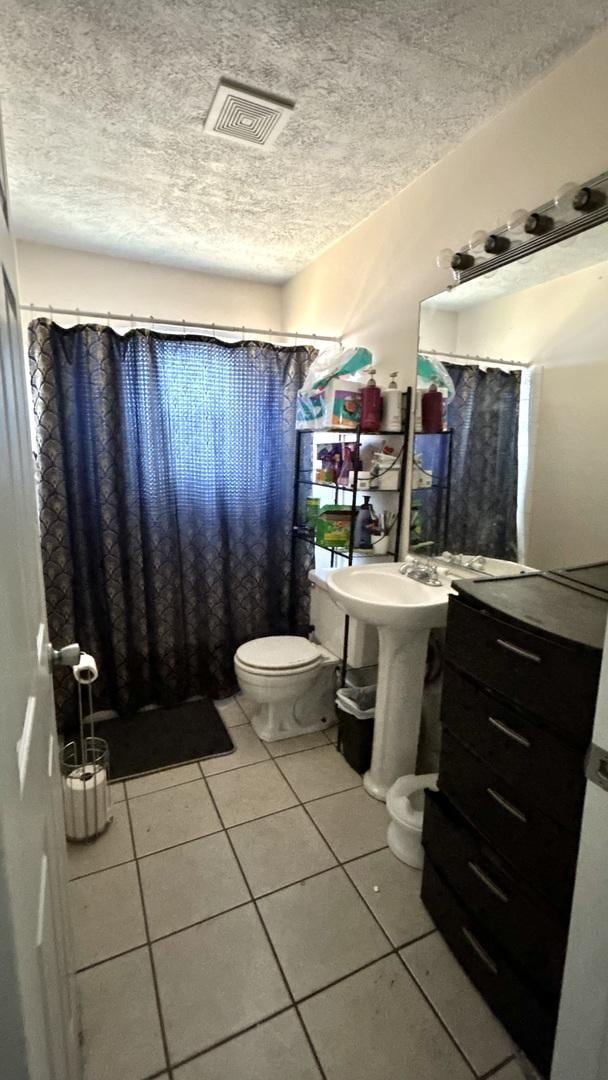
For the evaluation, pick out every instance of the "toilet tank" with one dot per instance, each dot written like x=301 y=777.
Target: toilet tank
x=328 y=622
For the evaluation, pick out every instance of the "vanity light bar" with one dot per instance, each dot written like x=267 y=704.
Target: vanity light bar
x=572 y=210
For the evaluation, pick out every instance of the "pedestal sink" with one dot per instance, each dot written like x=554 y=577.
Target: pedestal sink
x=404 y=612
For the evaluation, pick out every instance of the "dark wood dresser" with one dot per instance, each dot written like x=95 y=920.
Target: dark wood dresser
x=501 y=835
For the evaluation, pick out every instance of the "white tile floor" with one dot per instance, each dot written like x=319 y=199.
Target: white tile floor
x=245 y=921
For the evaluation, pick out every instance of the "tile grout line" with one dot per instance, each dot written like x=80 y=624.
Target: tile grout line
x=497 y=1068
x=394 y=950
x=244 y=903
x=426 y=997
x=325 y=841
x=312 y=1047
x=161 y=1022
x=294 y=1002
x=248 y=821
x=229 y=1038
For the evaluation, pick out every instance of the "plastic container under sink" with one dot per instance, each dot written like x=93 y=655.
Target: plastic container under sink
x=355 y=707
x=405 y=805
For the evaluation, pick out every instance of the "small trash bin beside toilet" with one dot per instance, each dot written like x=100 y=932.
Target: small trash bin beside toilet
x=405 y=804
x=355 y=706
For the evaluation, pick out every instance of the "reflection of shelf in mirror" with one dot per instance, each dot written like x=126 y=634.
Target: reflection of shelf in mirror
x=448 y=431
x=431 y=487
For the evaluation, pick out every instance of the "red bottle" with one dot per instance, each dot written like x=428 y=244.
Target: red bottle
x=432 y=411
x=371 y=405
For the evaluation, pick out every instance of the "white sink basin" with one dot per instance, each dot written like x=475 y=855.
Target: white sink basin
x=384 y=597
x=404 y=610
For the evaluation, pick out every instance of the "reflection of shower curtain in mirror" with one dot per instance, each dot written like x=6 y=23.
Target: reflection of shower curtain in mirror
x=484 y=416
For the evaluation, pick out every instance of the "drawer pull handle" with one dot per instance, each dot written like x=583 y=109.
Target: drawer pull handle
x=506 y=805
x=506 y=730
x=481 y=952
x=517 y=649
x=487 y=881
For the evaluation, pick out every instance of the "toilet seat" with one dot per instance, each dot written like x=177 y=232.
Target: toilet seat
x=280 y=655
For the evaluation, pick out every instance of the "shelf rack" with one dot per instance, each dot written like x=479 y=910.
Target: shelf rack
x=301 y=533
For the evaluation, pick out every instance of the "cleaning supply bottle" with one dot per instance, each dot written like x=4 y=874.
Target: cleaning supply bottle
x=363 y=524
x=347 y=465
x=391 y=406
x=371 y=405
x=432 y=410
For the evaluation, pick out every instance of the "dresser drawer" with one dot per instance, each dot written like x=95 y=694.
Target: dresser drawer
x=528 y=930
x=539 y=674
x=541 y=768
x=543 y=851
x=527 y=1017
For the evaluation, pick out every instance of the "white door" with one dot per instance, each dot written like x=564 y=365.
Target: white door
x=38 y=1015
x=581 y=1045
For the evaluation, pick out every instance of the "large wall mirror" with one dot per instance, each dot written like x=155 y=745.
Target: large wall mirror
x=520 y=472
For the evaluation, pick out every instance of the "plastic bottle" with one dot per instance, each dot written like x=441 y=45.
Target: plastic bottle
x=363 y=522
x=432 y=411
x=371 y=405
x=391 y=406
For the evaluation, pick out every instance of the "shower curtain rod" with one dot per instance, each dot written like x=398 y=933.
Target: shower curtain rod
x=183 y=324
x=473 y=359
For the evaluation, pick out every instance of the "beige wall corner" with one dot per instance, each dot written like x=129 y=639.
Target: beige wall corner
x=369 y=284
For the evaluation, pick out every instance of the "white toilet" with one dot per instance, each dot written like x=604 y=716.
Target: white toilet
x=293 y=679
x=405 y=805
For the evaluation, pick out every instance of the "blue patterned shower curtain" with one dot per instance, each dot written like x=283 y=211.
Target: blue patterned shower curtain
x=484 y=416
x=166 y=487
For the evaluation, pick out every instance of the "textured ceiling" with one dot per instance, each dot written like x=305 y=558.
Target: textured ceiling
x=104 y=106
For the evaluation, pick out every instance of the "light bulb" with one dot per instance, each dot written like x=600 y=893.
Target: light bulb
x=496 y=244
x=478 y=239
x=517 y=220
x=565 y=196
x=444 y=259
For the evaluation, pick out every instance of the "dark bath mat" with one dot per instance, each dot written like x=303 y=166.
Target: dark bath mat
x=158 y=738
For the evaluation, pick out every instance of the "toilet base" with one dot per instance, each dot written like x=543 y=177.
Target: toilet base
x=314 y=710
x=271 y=728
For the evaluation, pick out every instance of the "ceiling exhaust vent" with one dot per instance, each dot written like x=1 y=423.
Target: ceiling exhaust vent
x=241 y=114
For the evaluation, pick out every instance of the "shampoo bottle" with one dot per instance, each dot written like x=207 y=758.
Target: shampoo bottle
x=432 y=411
x=371 y=405
x=391 y=406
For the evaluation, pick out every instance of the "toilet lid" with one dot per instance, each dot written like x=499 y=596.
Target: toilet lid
x=278 y=653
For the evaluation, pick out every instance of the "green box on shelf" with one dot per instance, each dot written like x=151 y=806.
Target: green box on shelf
x=333 y=525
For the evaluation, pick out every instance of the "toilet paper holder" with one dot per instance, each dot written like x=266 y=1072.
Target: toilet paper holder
x=85 y=762
x=68 y=656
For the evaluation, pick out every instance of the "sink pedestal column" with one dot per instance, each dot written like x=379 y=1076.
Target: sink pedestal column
x=401 y=671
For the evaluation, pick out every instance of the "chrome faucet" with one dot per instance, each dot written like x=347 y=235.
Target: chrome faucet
x=425 y=573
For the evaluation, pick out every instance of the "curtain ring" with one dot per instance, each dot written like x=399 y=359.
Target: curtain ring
x=51 y=311
x=77 y=310
x=131 y=322
x=184 y=329
x=108 y=313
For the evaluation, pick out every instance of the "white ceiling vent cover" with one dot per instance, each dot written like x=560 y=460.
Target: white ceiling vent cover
x=240 y=113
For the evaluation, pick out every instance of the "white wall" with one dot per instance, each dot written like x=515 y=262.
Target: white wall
x=563 y=325
x=77 y=279
x=369 y=284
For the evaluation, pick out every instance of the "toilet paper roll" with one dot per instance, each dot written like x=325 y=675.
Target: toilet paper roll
x=85 y=802
x=85 y=671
